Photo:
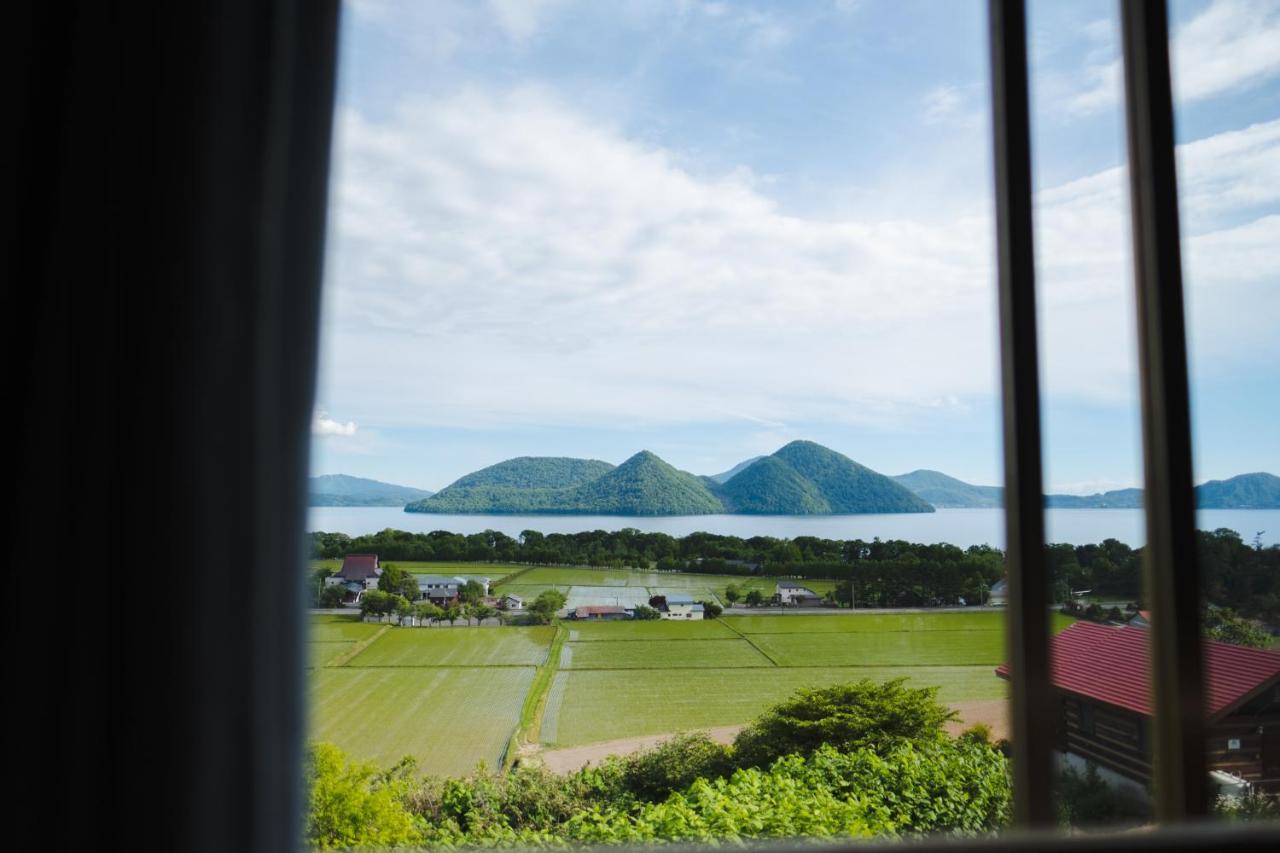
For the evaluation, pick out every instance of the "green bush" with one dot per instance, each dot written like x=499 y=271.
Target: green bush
x=848 y=717
x=674 y=765
x=1085 y=800
x=352 y=804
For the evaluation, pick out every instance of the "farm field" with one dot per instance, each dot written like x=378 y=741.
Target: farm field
x=662 y=654
x=448 y=718
x=466 y=570
x=453 y=697
x=586 y=706
x=430 y=647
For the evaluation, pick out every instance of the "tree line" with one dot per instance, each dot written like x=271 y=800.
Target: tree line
x=878 y=573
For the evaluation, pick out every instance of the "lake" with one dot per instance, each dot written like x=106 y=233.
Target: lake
x=962 y=527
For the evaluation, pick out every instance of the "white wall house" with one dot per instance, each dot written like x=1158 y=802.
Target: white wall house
x=998 y=595
x=790 y=592
x=683 y=607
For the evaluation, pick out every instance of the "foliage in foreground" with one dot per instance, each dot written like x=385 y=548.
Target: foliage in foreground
x=852 y=760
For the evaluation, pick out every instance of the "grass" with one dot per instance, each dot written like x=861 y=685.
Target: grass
x=662 y=655
x=448 y=719
x=609 y=586
x=659 y=629
x=435 y=647
x=340 y=628
x=322 y=653
x=891 y=648
x=477 y=570
x=586 y=706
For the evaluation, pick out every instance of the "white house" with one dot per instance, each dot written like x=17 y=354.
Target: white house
x=683 y=607
x=998 y=595
x=790 y=592
x=511 y=602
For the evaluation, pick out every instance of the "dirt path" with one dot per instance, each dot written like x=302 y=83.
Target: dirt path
x=572 y=758
x=993 y=712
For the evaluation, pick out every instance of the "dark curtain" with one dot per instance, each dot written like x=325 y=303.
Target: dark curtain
x=168 y=189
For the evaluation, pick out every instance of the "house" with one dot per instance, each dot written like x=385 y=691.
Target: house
x=998 y=595
x=359 y=572
x=438 y=589
x=1101 y=677
x=600 y=613
x=511 y=602
x=682 y=607
x=790 y=592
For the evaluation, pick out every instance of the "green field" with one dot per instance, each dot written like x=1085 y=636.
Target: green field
x=452 y=697
x=428 y=647
x=662 y=654
x=587 y=706
x=448 y=718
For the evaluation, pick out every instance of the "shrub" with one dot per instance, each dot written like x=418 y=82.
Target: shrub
x=1085 y=800
x=848 y=717
x=674 y=765
x=354 y=805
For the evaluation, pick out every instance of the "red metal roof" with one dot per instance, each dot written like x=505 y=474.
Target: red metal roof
x=358 y=567
x=1109 y=664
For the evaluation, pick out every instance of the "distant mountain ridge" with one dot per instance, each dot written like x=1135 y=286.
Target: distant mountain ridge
x=345 y=490
x=802 y=478
x=1258 y=490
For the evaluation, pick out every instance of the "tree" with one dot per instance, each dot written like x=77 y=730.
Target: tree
x=859 y=715
x=398 y=581
x=332 y=596
x=472 y=591
x=1224 y=625
x=645 y=614
x=711 y=610
x=546 y=605
x=754 y=598
x=732 y=594
x=425 y=611
x=451 y=612
x=355 y=805
x=482 y=612
x=318 y=578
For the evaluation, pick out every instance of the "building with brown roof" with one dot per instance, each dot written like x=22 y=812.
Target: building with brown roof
x=1102 y=677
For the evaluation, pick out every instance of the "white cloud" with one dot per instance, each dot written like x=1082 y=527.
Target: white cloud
x=941 y=104
x=1231 y=45
x=326 y=427
x=500 y=259
x=521 y=20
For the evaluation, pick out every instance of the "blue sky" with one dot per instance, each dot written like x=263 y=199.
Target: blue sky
x=564 y=227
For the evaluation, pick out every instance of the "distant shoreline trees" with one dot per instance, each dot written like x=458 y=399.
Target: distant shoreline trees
x=880 y=573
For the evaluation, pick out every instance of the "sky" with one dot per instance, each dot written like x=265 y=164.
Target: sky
x=705 y=229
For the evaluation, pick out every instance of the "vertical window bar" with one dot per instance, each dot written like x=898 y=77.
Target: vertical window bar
x=1031 y=705
x=1170 y=565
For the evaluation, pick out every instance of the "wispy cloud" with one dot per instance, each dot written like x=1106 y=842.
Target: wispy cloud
x=1231 y=45
x=502 y=258
x=326 y=427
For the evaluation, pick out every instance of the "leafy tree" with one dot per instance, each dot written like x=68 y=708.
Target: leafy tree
x=398 y=581
x=645 y=614
x=1224 y=625
x=353 y=805
x=754 y=598
x=732 y=594
x=711 y=610
x=375 y=602
x=318 y=578
x=860 y=715
x=482 y=612
x=546 y=605
x=472 y=591
x=658 y=602
x=332 y=596
x=673 y=765
x=451 y=612
x=425 y=611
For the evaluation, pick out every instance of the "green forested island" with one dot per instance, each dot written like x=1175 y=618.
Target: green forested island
x=802 y=478
x=344 y=490
x=1245 y=491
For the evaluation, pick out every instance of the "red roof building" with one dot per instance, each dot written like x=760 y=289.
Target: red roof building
x=1103 y=677
x=360 y=567
x=599 y=612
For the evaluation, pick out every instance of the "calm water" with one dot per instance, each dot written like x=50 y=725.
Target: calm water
x=963 y=527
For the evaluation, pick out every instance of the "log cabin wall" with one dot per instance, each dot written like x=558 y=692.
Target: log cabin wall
x=1109 y=736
